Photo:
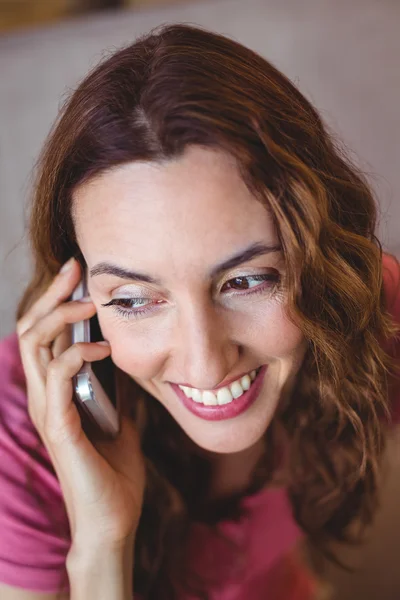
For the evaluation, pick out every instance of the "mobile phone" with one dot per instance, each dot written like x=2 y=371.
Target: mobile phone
x=94 y=385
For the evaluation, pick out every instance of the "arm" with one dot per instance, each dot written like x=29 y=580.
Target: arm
x=102 y=481
x=12 y=593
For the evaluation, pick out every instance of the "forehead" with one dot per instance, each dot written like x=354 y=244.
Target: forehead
x=195 y=207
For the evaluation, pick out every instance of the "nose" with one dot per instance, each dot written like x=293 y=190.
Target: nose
x=206 y=352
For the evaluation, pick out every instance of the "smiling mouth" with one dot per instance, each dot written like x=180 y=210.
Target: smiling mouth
x=224 y=395
x=218 y=407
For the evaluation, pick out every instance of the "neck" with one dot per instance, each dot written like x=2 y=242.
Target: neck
x=232 y=473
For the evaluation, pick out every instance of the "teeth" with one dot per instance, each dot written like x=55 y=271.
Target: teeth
x=196 y=395
x=245 y=382
x=224 y=395
x=209 y=399
x=236 y=389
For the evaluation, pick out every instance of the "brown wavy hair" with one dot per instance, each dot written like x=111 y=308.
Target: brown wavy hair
x=181 y=85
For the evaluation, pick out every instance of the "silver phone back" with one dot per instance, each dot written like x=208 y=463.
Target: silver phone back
x=87 y=387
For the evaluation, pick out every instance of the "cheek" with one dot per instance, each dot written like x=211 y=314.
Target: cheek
x=139 y=353
x=273 y=333
x=284 y=339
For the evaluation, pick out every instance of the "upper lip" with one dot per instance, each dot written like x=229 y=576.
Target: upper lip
x=223 y=384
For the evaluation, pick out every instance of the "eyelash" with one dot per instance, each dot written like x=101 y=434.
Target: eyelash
x=273 y=288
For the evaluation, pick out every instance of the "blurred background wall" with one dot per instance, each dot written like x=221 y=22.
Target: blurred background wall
x=343 y=55
x=17 y=14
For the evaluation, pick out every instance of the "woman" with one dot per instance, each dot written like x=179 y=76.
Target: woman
x=251 y=317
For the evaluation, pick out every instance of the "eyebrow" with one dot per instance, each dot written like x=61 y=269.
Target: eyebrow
x=257 y=249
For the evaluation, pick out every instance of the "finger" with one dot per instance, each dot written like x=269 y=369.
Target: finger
x=62 y=420
x=62 y=341
x=46 y=330
x=36 y=355
x=59 y=290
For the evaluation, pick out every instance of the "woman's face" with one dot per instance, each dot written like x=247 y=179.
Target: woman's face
x=178 y=250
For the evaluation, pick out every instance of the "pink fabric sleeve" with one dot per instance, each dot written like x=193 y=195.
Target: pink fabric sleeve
x=34 y=528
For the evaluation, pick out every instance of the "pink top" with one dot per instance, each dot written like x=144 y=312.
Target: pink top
x=34 y=530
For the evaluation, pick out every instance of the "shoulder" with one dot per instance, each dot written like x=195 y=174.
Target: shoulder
x=11 y=370
x=16 y=428
x=34 y=528
x=13 y=399
x=391 y=279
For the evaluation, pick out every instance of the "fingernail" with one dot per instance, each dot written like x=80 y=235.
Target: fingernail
x=66 y=267
x=85 y=299
x=103 y=343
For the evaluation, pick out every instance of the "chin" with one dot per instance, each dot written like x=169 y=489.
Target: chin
x=228 y=447
x=232 y=437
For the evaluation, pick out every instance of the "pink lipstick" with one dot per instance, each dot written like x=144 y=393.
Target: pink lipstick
x=225 y=411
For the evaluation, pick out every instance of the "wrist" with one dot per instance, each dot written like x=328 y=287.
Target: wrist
x=102 y=570
x=84 y=551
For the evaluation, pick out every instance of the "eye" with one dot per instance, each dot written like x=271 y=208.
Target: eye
x=131 y=307
x=252 y=283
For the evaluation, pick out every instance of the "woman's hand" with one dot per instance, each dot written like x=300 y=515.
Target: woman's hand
x=102 y=482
